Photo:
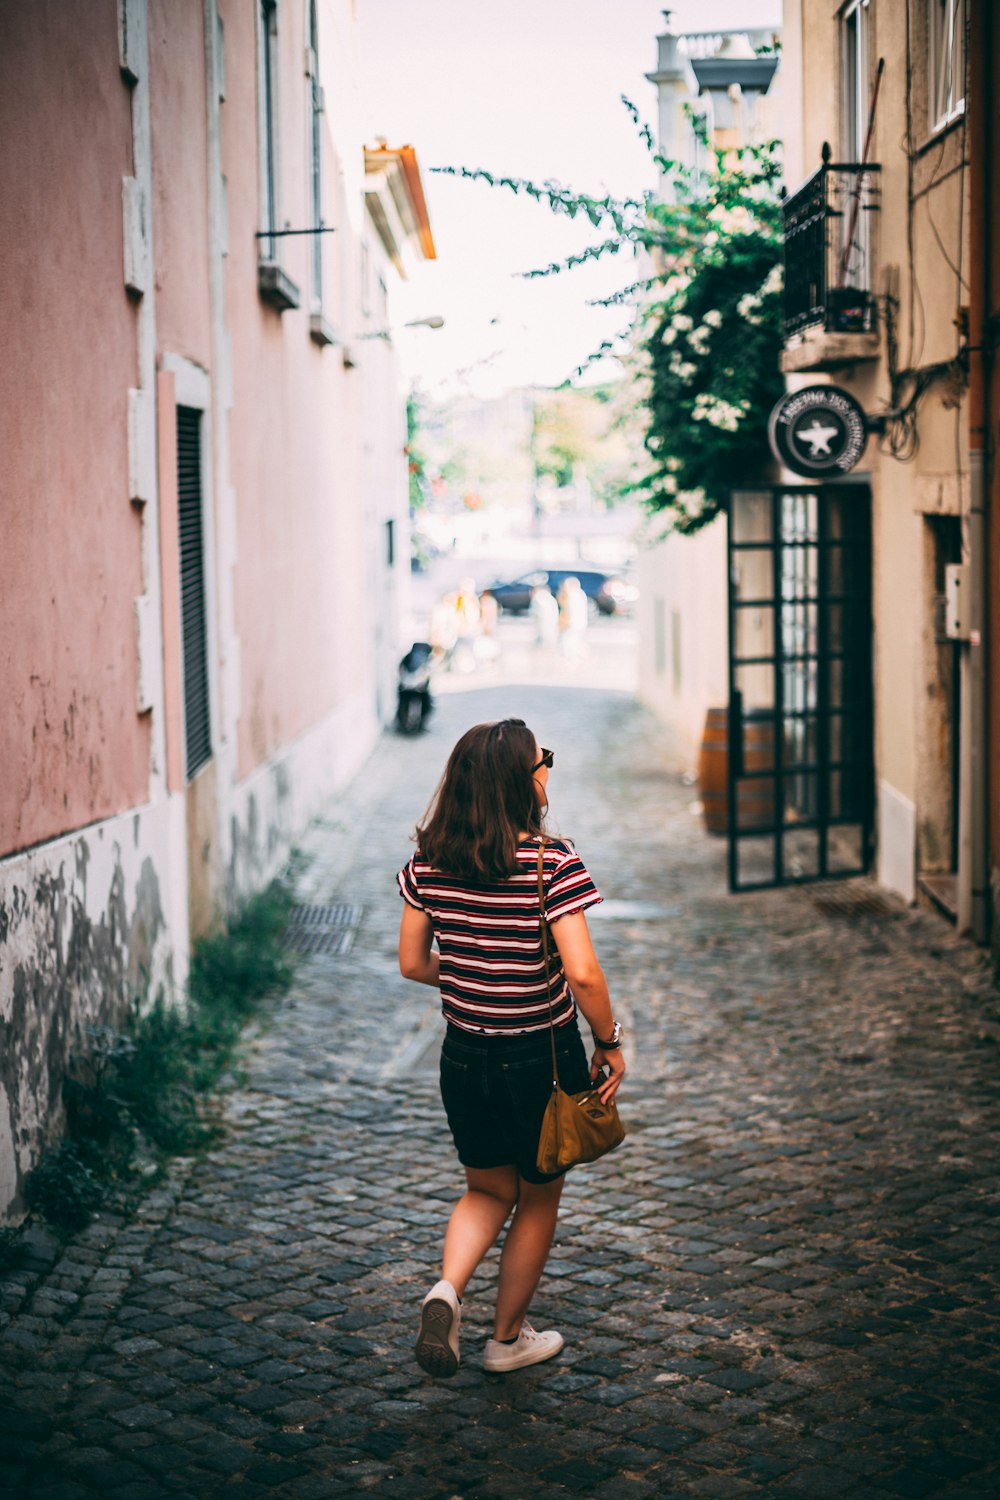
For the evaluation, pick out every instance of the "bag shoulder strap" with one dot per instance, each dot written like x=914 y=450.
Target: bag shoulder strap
x=543 y=924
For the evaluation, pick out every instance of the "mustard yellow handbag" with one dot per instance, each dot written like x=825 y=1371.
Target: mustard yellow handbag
x=575 y=1127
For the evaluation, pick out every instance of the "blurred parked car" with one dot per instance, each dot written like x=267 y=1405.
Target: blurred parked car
x=611 y=594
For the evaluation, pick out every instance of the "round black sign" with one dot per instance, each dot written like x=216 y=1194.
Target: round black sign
x=818 y=431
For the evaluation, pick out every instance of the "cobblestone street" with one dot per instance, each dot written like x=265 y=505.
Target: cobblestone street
x=787 y=1281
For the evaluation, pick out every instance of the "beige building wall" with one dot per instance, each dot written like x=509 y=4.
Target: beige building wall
x=913 y=700
x=682 y=627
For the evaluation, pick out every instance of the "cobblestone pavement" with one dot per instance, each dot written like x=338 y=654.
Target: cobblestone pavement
x=786 y=1281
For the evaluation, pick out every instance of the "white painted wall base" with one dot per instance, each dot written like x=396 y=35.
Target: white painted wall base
x=273 y=806
x=89 y=923
x=897 y=841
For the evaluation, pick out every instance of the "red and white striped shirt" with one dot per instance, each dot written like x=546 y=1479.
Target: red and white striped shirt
x=489 y=938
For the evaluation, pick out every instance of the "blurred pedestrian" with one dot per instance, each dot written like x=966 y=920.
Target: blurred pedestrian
x=467 y=625
x=444 y=628
x=545 y=614
x=489 y=610
x=472 y=887
x=574 y=615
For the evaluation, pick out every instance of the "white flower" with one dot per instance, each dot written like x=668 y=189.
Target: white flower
x=718 y=413
x=773 y=281
x=683 y=323
x=747 y=308
x=673 y=464
x=691 y=501
x=698 y=340
x=713 y=318
x=669 y=335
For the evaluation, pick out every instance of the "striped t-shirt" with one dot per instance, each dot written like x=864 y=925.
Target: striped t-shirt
x=489 y=939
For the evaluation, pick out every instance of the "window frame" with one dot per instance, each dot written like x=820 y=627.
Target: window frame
x=192 y=389
x=314 y=110
x=854 y=64
x=268 y=130
x=947 y=22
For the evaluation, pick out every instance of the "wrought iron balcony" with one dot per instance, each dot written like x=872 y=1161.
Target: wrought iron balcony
x=830 y=250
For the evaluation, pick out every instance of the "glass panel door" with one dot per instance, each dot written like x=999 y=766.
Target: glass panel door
x=800 y=712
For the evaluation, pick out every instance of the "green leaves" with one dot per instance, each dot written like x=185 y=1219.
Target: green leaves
x=562 y=200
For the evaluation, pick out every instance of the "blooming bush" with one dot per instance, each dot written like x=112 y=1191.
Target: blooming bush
x=704 y=346
x=710 y=334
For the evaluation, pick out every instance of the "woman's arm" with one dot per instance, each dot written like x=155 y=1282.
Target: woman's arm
x=587 y=981
x=416 y=957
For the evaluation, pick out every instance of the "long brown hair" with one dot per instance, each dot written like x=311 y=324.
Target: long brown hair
x=484 y=803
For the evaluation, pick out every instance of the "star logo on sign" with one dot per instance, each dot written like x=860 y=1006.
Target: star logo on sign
x=818 y=438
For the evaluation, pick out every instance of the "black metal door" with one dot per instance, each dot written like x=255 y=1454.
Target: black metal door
x=800 y=764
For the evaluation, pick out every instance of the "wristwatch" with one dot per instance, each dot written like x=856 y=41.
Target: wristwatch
x=615 y=1041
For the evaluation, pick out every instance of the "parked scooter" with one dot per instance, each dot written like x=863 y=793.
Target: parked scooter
x=414 y=703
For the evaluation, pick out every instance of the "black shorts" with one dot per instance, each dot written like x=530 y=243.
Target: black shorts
x=495 y=1090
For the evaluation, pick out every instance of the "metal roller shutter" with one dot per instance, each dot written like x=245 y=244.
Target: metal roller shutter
x=194 y=635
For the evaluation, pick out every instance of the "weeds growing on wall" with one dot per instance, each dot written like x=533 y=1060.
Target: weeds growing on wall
x=139 y=1094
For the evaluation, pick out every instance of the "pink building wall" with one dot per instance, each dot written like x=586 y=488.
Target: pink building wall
x=72 y=745
x=110 y=856
x=293 y=430
x=177 y=94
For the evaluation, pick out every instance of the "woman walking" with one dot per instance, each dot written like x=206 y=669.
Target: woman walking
x=472 y=885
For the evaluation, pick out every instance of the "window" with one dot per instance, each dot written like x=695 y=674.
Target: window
x=268 y=18
x=315 y=173
x=850 y=226
x=194 y=620
x=855 y=102
x=276 y=287
x=946 y=60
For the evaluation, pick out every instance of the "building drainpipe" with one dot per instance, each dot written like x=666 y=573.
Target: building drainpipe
x=973 y=894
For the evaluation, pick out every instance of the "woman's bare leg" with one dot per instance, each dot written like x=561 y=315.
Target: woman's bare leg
x=525 y=1251
x=476 y=1220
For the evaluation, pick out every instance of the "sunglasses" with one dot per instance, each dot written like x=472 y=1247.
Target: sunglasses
x=548 y=756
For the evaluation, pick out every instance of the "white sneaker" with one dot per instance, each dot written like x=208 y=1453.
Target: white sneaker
x=530 y=1348
x=437 y=1341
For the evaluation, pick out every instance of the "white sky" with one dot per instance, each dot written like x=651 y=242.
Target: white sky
x=529 y=88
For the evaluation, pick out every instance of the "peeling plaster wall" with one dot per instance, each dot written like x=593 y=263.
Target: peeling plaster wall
x=88 y=924
x=91 y=922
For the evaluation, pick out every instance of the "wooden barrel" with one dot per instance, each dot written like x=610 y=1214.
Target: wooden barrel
x=713 y=769
x=754 y=798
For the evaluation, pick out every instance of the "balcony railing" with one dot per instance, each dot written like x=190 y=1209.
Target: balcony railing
x=830 y=250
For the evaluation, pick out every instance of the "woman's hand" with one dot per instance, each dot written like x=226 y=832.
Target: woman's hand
x=614 y=1060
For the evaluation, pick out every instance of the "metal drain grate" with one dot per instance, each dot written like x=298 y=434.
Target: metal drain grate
x=855 y=898
x=323 y=929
